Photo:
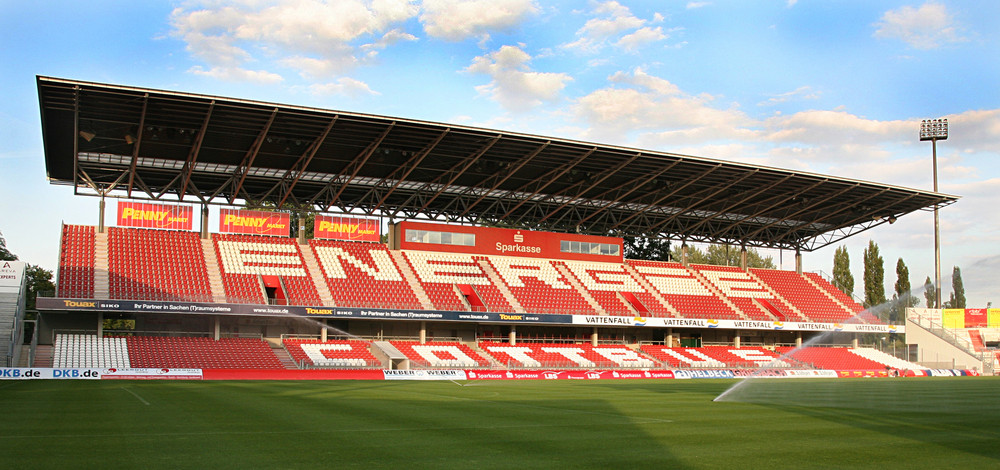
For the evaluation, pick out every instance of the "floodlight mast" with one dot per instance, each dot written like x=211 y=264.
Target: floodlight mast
x=935 y=130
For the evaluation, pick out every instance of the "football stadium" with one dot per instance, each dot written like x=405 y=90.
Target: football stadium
x=372 y=291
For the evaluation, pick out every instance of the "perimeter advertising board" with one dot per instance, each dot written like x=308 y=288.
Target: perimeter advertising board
x=140 y=306
x=11 y=276
x=147 y=215
x=254 y=222
x=347 y=228
x=975 y=318
x=409 y=235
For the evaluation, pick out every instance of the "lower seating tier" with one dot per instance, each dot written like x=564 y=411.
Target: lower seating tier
x=331 y=353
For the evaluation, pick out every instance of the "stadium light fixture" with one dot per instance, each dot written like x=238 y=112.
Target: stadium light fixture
x=935 y=130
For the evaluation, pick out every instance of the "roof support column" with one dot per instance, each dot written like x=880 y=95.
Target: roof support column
x=743 y=259
x=593 y=337
x=204 y=221
x=100 y=215
x=684 y=253
x=513 y=334
x=798 y=261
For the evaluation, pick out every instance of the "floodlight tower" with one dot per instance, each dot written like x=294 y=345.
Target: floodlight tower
x=935 y=130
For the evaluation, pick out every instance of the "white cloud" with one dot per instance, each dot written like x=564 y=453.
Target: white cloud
x=614 y=23
x=929 y=26
x=514 y=85
x=456 y=20
x=658 y=110
x=343 y=86
x=695 y=5
x=298 y=33
x=641 y=37
x=800 y=93
x=236 y=74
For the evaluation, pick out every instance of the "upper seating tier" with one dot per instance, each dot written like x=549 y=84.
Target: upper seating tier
x=244 y=259
x=794 y=288
x=147 y=264
x=363 y=275
x=76 y=262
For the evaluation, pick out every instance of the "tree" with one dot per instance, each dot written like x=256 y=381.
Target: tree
x=902 y=298
x=5 y=255
x=655 y=249
x=842 y=277
x=874 y=276
x=38 y=280
x=957 y=299
x=930 y=294
x=724 y=255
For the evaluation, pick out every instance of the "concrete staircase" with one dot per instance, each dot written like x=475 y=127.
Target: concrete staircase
x=214 y=273
x=102 y=282
x=316 y=273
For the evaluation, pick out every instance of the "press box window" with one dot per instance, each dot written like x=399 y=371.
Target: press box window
x=588 y=248
x=441 y=238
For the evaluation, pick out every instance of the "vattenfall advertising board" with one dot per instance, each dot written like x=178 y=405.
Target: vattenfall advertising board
x=505 y=242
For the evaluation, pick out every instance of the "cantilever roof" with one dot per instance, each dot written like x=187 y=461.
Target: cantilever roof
x=171 y=146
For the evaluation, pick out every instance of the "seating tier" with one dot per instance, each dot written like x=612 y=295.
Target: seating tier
x=201 y=353
x=76 y=262
x=147 y=264
x=363 y=275
x=715 y=357
x=831 y=358
x=683 y=290
x=845 y=299
x=794 y=288
x=440 y=354
x=331 y=353
x=539 y=286
x=558 y=355
x=75 y=350
x=441 y=274
x=743 y=290
x=242 y=258
x=605 y=281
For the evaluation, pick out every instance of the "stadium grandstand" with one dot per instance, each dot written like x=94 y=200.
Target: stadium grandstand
x=434 y=246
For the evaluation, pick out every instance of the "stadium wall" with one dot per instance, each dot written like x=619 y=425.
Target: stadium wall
x=934 y=351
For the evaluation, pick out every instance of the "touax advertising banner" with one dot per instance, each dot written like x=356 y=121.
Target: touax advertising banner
x=146 y=215
x=346 y=228
x=254 y=222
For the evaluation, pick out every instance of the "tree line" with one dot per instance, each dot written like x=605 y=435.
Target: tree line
x=903 y=294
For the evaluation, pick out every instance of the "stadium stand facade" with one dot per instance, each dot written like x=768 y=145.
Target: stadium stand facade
x=434 y=295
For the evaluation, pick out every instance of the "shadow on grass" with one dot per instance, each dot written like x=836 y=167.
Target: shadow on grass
x=961 y=414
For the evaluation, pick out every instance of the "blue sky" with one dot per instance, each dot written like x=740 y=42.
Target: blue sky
x=835 y=87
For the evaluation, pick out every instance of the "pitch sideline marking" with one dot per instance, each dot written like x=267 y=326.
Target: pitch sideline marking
x=136 y=395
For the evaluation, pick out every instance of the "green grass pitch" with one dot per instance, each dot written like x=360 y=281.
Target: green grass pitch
x=648 y=424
